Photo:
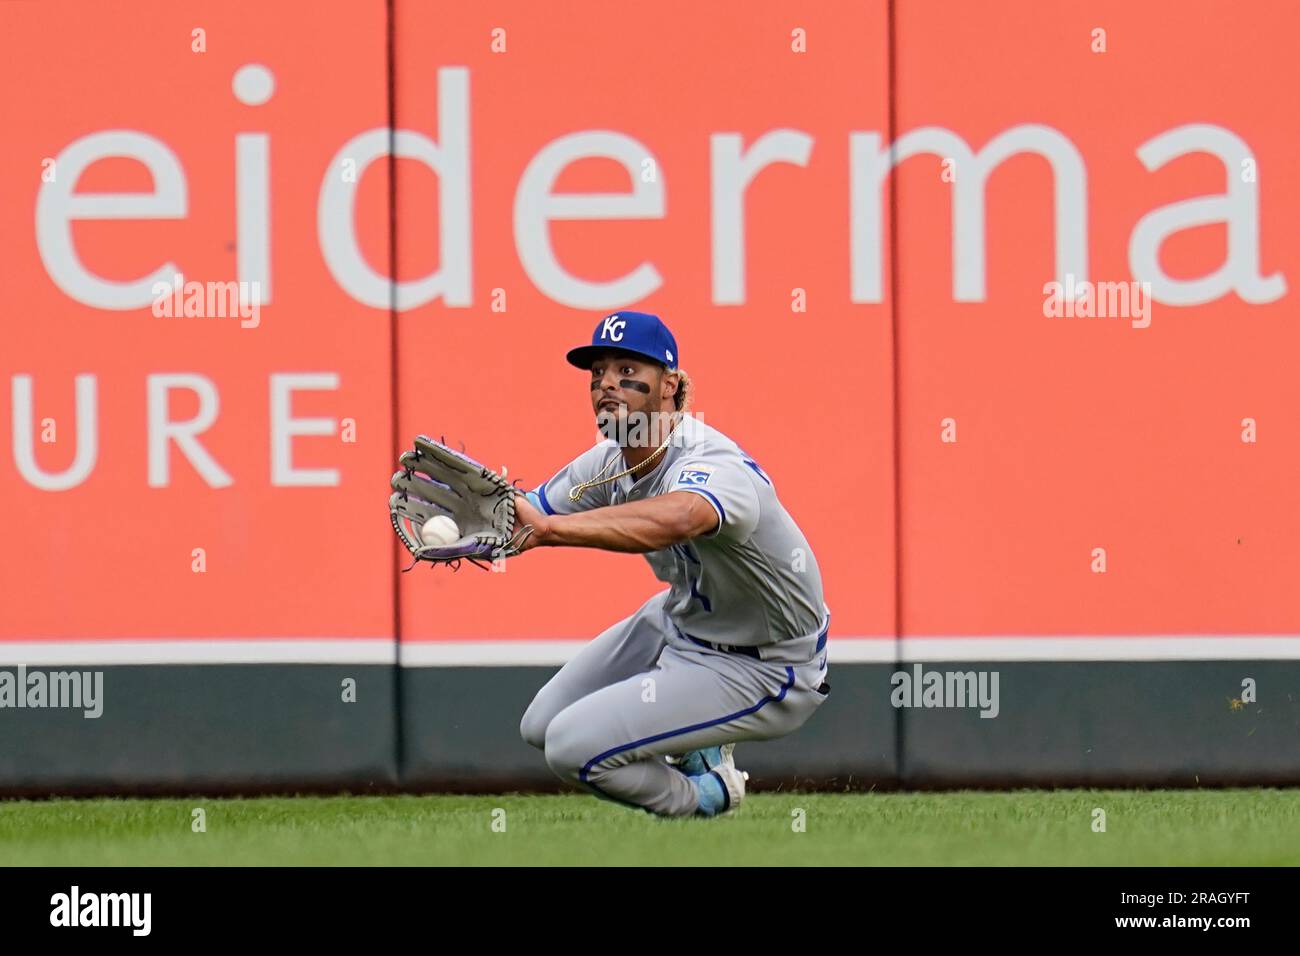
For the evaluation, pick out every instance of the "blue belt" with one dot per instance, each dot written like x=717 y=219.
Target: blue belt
x=750 y=650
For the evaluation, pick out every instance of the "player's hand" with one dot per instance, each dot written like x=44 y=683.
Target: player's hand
x=525 y=514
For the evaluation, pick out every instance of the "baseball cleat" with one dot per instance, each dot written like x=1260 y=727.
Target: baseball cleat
x=733 y=782
x=695 y=762
x=720 y=785
x=726 y=757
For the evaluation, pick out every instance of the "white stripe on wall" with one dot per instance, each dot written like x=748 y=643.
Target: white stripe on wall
x=526 y=653
x=489 y=653
x=342 y=650
x=878 y=650
x=1171 y=647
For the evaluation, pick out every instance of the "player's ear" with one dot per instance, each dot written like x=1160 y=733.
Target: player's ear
x=671 y=382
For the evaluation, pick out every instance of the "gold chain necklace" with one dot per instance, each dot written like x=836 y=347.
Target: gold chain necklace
x=575 y=495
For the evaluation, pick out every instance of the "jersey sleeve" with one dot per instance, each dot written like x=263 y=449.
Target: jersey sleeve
x=728 y=486
x=553 y=495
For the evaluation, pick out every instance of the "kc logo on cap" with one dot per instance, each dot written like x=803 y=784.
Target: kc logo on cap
x=631 y=333
x=613 y=328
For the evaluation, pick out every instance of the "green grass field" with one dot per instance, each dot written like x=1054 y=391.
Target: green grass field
x=1163 y=827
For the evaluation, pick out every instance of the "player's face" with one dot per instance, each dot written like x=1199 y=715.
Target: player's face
x=622 y=386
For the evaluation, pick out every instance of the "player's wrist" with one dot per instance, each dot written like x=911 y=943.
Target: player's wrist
x=544 y=532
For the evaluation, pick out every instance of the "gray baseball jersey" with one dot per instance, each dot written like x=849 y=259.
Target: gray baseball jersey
x=754 y=581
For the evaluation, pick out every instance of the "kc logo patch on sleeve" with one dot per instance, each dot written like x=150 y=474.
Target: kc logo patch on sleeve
x=694 y=476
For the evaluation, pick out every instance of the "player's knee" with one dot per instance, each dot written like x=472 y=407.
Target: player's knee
x=533 y=726
x=567 y=751
x=563 y=761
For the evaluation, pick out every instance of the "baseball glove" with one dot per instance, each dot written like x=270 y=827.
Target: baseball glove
x=436 y=480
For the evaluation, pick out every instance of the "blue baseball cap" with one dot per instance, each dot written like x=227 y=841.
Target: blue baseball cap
x=640 y=333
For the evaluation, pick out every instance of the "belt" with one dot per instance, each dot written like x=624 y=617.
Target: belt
x=749 y=650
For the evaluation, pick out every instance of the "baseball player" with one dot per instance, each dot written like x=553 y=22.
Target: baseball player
x=649 y=712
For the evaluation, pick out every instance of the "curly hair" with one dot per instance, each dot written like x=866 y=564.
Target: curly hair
x=685 y=391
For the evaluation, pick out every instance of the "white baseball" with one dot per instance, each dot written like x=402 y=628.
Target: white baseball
x=439 y=530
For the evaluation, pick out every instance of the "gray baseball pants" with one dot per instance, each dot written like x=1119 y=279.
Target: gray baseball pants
x=641 y=690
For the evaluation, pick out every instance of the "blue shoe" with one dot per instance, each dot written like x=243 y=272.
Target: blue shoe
x=720 y=790
x=695 y=762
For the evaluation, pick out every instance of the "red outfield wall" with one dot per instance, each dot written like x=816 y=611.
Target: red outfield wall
x=1095 y=487
x=496 y=280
